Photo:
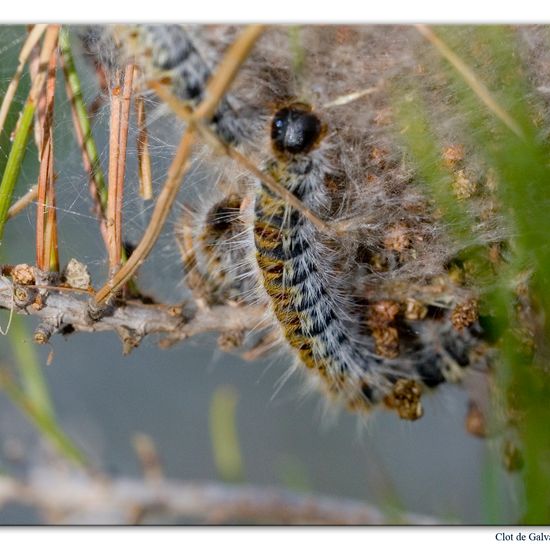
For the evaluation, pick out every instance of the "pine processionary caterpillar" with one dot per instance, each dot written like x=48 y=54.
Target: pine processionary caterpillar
x=361 y=346
x=308 y=295
x=209 y=252
x=294 y=275
x=176 y=54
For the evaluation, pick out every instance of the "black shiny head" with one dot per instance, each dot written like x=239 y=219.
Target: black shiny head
x=295 y=129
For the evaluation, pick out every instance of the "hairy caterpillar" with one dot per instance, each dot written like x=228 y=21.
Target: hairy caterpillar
x=342 y=342
x=181 y=55
x=310 y=299
x=373 y=317
x=303 y=297
x=211 y=251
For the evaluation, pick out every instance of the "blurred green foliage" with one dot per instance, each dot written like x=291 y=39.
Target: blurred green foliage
x=520 y=162
x=223 y=434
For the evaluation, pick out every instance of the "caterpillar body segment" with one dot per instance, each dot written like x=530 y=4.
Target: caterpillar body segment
x=331 y=335
x=181 y=57
x=214 y=246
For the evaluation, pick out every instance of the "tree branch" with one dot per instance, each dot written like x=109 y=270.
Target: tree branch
x=87 y=499
x=66 y=310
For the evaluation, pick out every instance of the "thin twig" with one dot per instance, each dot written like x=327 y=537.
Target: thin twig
x=20 y=204
x=44 y=159
x=113 y=242
x=471 y=79
x=143 y=157
x=118 y=141
x=349 y=98
x=51 y=240
x=127 y=90
x=19 y=146
x=266 y=344
x=50 y=43
x=51 y=258
x=86 y=498
x=227 y=71
x=61 y=308
x=159 y=216
x=186 y=113
x=30 y=43
x=46 y=230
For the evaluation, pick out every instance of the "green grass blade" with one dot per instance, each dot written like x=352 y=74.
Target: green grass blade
x=46 y=424
x=15 y=160
x=33 y=382
x=73 y=81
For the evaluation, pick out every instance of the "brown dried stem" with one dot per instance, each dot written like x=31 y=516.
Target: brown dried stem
x=46 y=226
x=160 y=214
x=227 y=70
x=20 y=204
x=186 y=113
x=118 y=140
x=50 y=43
x=33 y=38
x=143 y=157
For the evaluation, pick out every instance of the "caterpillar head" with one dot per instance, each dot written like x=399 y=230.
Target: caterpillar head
x=295 y=129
